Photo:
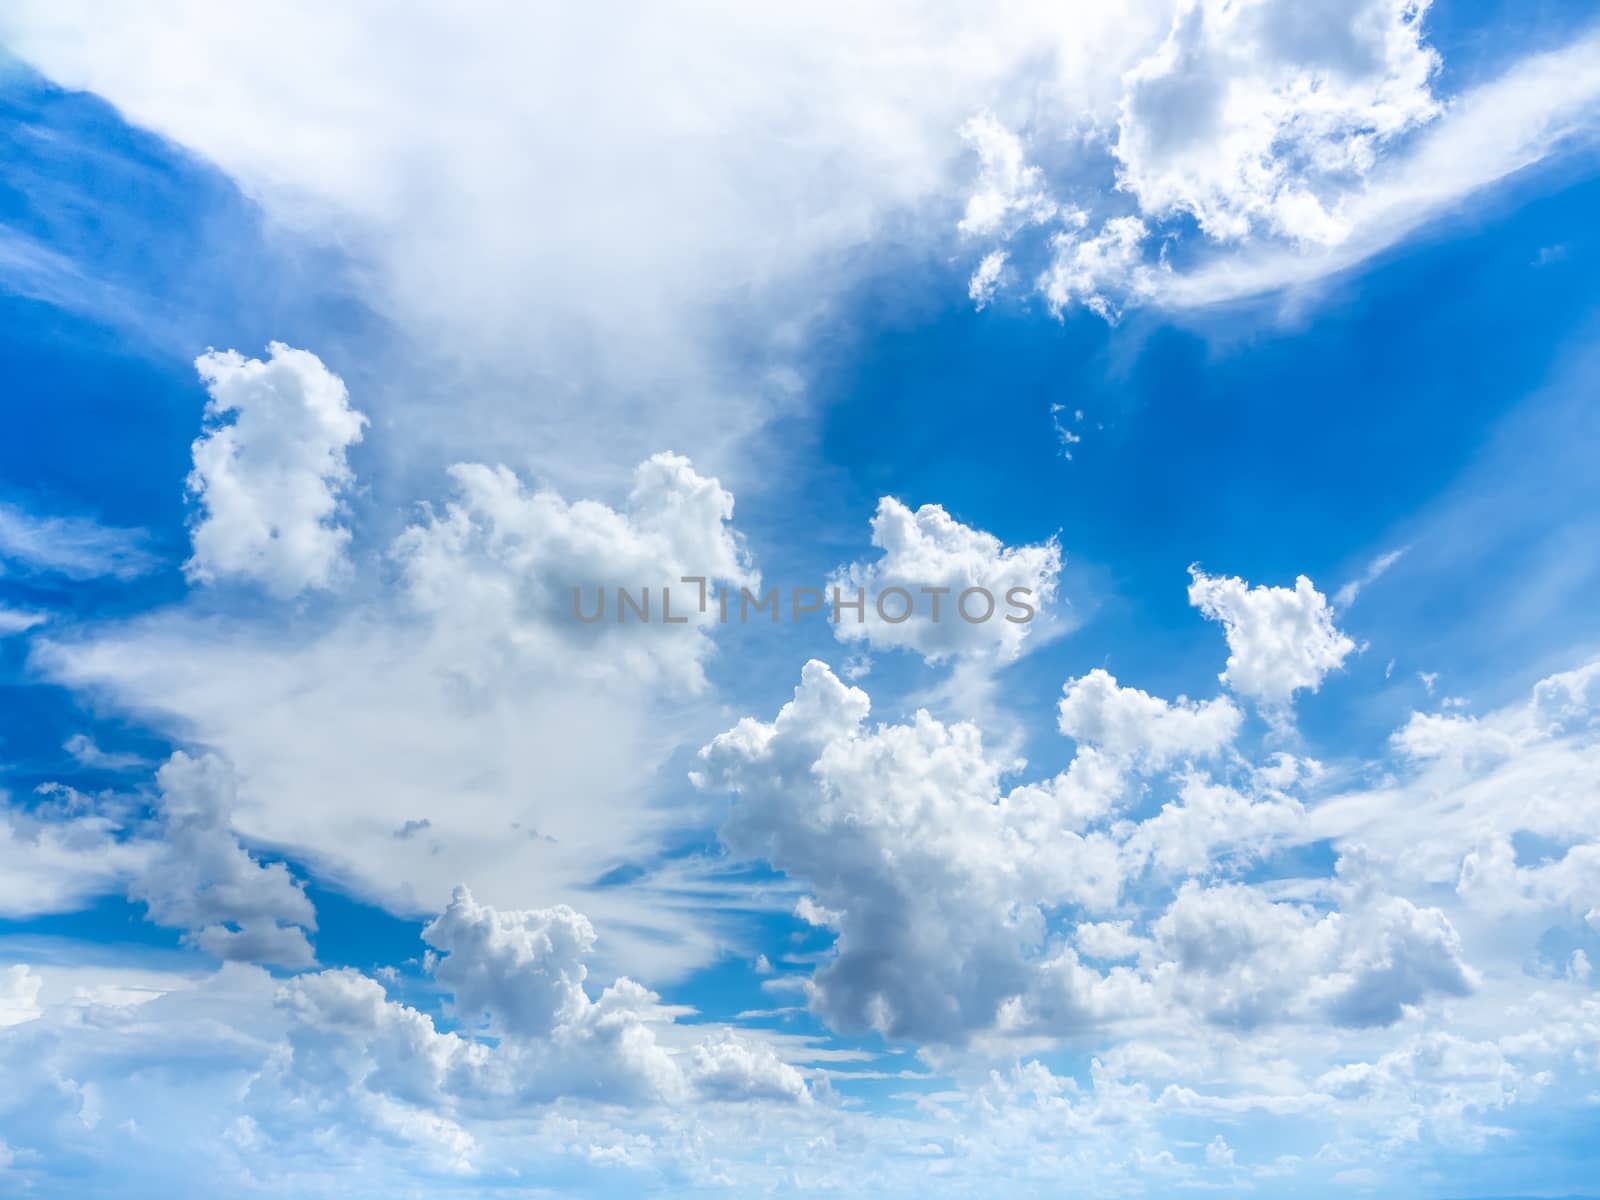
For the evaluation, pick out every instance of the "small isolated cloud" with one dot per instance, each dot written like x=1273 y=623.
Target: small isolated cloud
x=87 y=753
x=1280 y=640
x=981 y=287
x=1346 y=595
x=270 y=471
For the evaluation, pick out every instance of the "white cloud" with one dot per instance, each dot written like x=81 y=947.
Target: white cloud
x=1280 y=640
x=734 y=1068
x=1104 y=271
x=1535 y=110
x=1300 y=139
x=13 y=621
x=74 y=547
x=202 y=881
x=1009 y=192
x=685 y=200
x=1378 y=567
x=1131 y=724
x=464 y=693
x=87 y=753
x=502 y=567
x=1242 y=960
x=932 y=877
x=986 y=278
x=58 y=854
x=19 y=996
x=270 y=471
x=1263 y=114
x=959 y=588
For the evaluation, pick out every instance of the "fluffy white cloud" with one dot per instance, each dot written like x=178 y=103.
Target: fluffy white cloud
x=1262 y=114
x=1134 y=725
x=962 y=592
x=505 y=568
x=934 y=880
x=1211 y=824
x=1280 y=640
x=270 y=472
x=735 y=1068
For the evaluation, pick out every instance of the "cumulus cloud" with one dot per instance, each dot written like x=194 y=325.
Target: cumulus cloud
x=202 y=881
x=1135 y=725
x=932 y=877
x=271 y=470
x=1242 y=959
x=962 y=592
x=503 y=566
x=518 y=977
x=1280 y=640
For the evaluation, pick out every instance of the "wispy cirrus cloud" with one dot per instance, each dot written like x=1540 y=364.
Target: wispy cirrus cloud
x=77 y=548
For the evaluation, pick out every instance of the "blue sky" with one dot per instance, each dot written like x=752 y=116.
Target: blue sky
x=1257 y=339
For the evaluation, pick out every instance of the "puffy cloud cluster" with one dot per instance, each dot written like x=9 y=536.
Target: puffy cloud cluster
x=905 y=828
x=1243 y=960
x=1280 y=640
x=934 y=559
x=518 y=977
x=270 y=472
x=933 y=879
x=946 y=891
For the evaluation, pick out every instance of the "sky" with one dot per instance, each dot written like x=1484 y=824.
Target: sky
x=1243 y=352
